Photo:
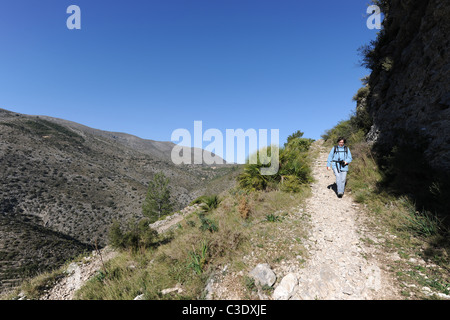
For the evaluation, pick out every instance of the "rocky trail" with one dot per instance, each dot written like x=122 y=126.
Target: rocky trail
x=340 y=267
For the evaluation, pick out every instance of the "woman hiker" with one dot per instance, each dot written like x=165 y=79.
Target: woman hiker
x=339 y=158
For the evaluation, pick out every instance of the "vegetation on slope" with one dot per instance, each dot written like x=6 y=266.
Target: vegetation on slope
x=228 y=228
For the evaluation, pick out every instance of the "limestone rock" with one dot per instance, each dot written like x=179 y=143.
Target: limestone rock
x=286 y=288
x=177 y=288
x=263 y=274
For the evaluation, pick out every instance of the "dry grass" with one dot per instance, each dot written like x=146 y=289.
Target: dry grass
x=418 y=238
x=188 y=256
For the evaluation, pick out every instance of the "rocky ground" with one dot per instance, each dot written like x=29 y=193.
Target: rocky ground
x=78 y=273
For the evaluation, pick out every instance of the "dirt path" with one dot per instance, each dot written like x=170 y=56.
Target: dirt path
x=340 y=266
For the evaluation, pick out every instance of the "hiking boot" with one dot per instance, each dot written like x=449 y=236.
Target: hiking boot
x=340 y=195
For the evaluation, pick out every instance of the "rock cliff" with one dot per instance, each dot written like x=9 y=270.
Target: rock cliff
x=409 y=99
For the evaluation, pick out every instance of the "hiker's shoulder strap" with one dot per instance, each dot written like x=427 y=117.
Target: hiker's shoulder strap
x=345 y=150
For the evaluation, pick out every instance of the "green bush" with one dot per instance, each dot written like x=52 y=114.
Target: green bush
x=135 y=236
x=272 y=218
x=362 y=93
x=252 y=179
x=295 y=164
x=294 y=169
x=291 y=184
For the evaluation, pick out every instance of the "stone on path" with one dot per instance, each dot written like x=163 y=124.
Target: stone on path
x=263 y=275
x=286 y=288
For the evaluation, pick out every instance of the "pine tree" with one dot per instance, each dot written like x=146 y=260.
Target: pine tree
x=157 y=202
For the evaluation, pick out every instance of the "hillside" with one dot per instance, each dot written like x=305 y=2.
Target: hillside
x=70 y=181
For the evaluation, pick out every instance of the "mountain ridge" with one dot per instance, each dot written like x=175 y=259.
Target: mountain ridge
x=161 y=149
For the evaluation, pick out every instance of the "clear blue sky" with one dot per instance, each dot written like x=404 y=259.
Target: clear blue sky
x=148 y=67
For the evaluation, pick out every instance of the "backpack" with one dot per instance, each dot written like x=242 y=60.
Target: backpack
x=345 y=151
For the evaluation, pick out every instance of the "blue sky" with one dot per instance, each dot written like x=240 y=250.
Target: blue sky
x=150 y=67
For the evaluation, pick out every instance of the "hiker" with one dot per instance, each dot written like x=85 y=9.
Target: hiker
x=339 y=158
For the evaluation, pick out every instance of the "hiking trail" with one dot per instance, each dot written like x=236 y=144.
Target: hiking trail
x=339 y=265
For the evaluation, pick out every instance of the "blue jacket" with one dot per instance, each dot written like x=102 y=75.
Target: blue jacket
x=339 y=155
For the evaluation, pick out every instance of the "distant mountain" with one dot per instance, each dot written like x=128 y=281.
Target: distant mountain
x=156 y=149
x=62 y=184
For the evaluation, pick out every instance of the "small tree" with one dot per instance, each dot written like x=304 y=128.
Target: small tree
x=157 y=202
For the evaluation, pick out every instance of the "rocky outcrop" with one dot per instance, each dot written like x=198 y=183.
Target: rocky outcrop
x=410 y=81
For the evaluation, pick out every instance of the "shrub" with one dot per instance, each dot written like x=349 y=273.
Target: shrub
x=135 y=236
x=295 y=135
x=210 y=203
x=293 y=162
x=272 y=218
x=362 y=93
x=252 y=179
x=291 y=184
x=243 y=208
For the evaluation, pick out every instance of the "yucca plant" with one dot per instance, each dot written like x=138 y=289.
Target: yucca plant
x=252 y=179
x=293 y=166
